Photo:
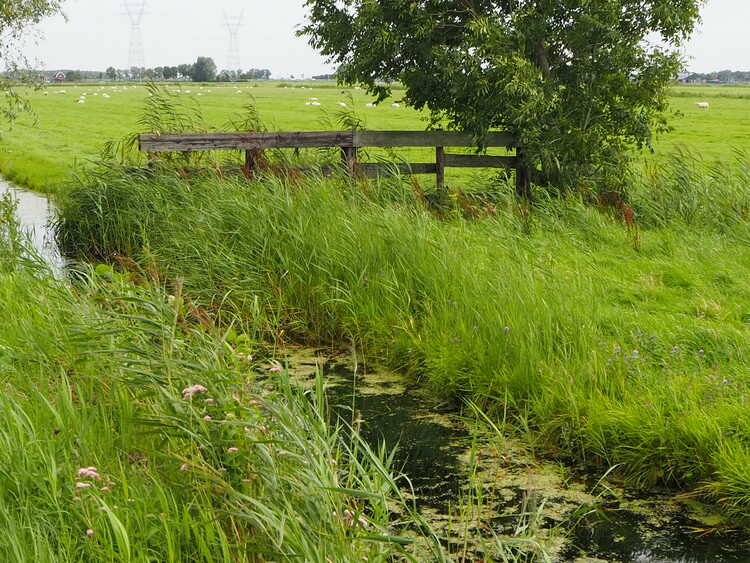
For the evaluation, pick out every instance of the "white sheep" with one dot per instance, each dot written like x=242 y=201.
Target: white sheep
x=702 y=105
x=395 y=105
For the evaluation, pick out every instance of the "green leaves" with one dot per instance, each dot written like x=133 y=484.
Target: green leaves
x=574 y=80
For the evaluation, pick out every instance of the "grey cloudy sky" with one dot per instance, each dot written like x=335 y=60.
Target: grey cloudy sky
x=96 y=35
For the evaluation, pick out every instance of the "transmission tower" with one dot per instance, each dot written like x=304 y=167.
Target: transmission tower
x=233 y=25
x=135 y=10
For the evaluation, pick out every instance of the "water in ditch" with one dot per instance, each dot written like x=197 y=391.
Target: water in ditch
x=541 y=509
x=34 y=213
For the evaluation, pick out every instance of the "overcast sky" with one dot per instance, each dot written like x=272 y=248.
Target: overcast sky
x=97 y=35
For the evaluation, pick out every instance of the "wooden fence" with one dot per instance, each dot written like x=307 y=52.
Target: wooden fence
x=349 y=142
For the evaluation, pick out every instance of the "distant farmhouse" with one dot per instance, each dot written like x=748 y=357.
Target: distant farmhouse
x=57 y=77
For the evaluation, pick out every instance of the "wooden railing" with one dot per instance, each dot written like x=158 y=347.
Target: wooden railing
x=349 y=142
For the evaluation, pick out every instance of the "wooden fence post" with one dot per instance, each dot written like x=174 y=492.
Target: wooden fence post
x=440 y=168
x=349 y=159
x=523 y=177
x=249 y=167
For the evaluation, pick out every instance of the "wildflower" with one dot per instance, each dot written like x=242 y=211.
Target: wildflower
x=675 y=349
x=89 y=532
x=275 y=369
x=222 y=469
x=701 y=352
x=506 y=330
x=207 y=418
x=332 y=461
x=184 y=467
x=253 y=402
x=89 y=472
x=232 y=450
x=131 y=500
x=209 y=401
x=83 y=485
x=188 y=392
x=725 y=382
x=105 y=489
x=249 y=358
x=363 y=522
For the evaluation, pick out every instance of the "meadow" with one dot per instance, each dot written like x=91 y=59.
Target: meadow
x=618 y=349
x=41 y=152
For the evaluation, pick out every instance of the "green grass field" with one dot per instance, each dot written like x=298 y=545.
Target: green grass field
x=619 y=349
x=67 y=134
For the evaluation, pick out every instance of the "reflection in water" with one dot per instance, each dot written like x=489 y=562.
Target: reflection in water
x=34 y=213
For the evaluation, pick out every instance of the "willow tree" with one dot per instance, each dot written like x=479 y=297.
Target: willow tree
x=17 y=17
x=578 y=82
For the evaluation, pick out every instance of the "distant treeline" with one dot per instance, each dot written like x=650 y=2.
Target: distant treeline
x=202 y=70
x=721 y=77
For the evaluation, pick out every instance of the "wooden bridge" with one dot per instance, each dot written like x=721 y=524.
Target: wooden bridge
x=349 y=142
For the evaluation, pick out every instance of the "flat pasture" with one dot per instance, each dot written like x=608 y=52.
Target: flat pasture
x=41 y=152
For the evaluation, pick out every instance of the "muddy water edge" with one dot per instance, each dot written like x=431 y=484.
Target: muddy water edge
x=485 y=494
x=481 y=489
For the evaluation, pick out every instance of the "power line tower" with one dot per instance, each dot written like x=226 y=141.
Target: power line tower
x=233 y=25
x=135 y=10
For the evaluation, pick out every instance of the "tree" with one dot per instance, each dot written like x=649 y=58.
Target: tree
x=185 y=70
x=111 y=73
x=204 y=70
x=16 y=18
x=578 y=82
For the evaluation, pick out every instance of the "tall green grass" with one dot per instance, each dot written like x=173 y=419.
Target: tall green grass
x=108 y=451
x=614 y=345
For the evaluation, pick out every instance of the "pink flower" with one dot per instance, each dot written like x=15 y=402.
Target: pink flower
x=104 y=489
x=206 y=417
x=275 y=369
x=83 y=485
x=184 y=467
x=188 y=392
x=233 y=450
x=210 y=401
x=89 y=472
x=89 y=532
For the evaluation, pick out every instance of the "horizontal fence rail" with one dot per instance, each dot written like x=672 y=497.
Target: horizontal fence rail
x=349 y=141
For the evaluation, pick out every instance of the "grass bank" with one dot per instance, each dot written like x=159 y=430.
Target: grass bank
x=610 y=345
x=133 y=432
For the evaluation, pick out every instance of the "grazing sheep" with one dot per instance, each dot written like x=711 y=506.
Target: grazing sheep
x=395 y=105
x=702 y=105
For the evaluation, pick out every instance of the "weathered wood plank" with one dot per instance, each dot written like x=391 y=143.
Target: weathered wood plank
x=440 y=167
x=479 y=161
x=427 y=139
x=373 y=170
x=192 y=142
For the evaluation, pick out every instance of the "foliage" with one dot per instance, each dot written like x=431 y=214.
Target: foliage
x=133 y=432
x=16 y=17
x=577 y=83
x=610 y=350
x=203 y=70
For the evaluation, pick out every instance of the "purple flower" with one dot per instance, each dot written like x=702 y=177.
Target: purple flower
x=506 y=330
x=701 y=352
